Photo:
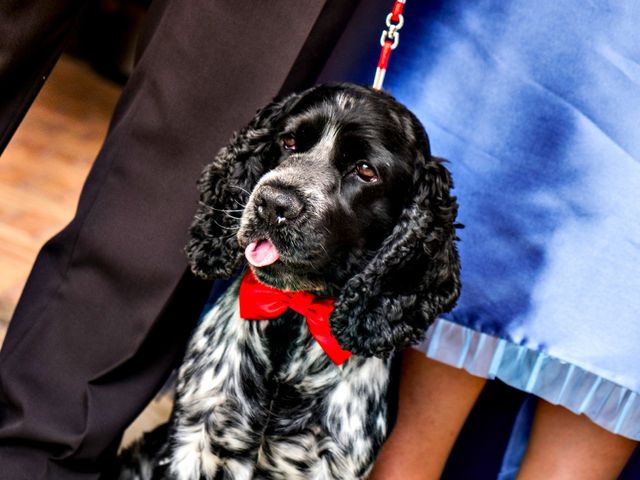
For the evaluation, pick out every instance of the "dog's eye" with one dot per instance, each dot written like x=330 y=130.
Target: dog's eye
x=366 y=172
x=289 y=142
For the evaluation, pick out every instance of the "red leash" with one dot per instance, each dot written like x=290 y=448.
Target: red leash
x=389 y=41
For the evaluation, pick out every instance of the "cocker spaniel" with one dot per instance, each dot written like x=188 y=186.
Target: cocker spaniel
x=348 y=226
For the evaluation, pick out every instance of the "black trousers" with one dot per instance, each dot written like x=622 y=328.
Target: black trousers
x=109 y=304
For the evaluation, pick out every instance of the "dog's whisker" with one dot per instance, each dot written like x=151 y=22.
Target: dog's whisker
x=225 y=210
x=225 y=237
x=227 y=228
x=240 y=188
x=240 y=204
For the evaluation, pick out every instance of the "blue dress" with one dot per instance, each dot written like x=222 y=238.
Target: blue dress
x=537 y=107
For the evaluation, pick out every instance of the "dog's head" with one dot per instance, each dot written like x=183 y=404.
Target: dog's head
x=335 y=190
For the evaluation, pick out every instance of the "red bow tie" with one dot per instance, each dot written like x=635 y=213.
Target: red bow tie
x=260 y=302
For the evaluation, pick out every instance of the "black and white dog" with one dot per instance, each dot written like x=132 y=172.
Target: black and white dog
x=332 y=191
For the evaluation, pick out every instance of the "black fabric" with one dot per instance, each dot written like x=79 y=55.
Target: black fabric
x=32 y=36
x=108 y=305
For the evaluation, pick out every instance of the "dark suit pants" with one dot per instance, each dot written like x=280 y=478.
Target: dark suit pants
x=109 y=304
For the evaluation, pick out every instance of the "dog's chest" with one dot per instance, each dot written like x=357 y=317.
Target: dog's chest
x=269 y=364
x=282 y=337
x=265 y=392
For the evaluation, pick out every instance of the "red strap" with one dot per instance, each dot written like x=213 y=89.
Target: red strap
x=397 y=11
x=385 y=53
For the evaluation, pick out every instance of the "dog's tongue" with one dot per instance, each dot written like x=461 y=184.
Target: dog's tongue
x=261 y=253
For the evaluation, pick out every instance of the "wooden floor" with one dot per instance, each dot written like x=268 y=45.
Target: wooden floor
x=41 y=175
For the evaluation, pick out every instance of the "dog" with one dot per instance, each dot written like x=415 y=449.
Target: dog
x=334 y=199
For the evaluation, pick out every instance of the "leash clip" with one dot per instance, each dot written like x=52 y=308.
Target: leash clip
x=392 y=33
x=389 y=41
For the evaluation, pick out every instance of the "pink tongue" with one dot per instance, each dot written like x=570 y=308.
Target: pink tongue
x=261 y=253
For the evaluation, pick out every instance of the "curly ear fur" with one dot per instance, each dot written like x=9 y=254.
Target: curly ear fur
x=225 y=186
x=415 y=274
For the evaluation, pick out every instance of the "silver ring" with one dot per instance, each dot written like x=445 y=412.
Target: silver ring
x=397 y=25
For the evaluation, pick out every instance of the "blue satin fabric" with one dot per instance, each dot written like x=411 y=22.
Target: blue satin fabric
x=537 y=104
x=537 y=107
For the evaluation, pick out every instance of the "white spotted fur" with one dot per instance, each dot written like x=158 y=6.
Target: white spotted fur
x=336 y=441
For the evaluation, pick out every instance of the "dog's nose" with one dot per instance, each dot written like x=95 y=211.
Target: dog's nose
x=276 y=205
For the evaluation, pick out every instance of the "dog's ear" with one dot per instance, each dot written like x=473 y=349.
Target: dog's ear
x=225 y=186
x=413 y=277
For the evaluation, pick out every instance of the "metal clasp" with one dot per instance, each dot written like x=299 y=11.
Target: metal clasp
x=392 y=33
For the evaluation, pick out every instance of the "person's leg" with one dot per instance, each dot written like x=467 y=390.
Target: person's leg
x=434 y=402
x=568 y=446
x=32 y=36
x=96 y=332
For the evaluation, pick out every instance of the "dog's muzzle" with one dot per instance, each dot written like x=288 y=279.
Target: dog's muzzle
x=276 y=206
